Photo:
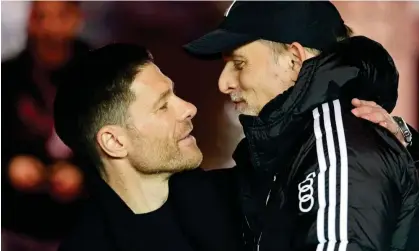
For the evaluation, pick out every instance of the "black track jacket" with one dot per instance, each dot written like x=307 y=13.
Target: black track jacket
x=311 y=176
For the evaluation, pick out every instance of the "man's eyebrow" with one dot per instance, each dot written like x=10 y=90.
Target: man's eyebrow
x=163 y=96
x=231 y=56
x=236 y=55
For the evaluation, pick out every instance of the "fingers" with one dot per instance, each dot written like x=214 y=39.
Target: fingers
x=393 y=127
x=358 y=102
x=369 y=110
x=373 y=114
x=376 y=115
x=384 y=124
x=381 y=118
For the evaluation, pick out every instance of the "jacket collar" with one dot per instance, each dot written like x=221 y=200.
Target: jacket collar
x=355 y=68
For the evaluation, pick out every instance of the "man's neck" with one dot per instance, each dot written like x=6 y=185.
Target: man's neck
x=142 y=193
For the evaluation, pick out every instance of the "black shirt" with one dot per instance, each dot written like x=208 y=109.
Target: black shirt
x=198 y=216
x=159 y=230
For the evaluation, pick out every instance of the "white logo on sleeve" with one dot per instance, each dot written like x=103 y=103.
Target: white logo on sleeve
x=305 y=193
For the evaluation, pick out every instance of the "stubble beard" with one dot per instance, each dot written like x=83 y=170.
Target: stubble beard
x=161 y=157
x=247 y=110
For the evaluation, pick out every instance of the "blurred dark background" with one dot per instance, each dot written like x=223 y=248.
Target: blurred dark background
x=42 y=185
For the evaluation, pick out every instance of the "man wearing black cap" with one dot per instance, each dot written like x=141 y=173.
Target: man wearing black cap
x=311 y=175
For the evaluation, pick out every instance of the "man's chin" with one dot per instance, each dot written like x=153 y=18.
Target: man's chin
x=193 y=160
x=190 y=150
x=248 y=111
x=169 y=171
x=186 y=167
x=189 y=159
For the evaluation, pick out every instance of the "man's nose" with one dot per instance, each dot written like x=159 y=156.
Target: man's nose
x=188 y=111
x=226 y=82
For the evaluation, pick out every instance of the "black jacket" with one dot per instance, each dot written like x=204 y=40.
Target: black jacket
x=207 y=221
x=312 y=176
x=414 y=147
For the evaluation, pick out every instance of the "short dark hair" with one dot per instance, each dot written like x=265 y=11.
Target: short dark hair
x=96 y=92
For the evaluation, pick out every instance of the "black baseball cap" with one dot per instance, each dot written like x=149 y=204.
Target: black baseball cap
x=314 y=24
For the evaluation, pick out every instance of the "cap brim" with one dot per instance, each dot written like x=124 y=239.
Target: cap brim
x=216 y=42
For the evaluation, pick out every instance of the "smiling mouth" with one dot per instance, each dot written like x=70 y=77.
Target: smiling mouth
x=187 y=140
x=239 y=104
x=186 y=136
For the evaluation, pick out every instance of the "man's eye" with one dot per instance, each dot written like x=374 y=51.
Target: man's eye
x=238 y=65
x=164 y=107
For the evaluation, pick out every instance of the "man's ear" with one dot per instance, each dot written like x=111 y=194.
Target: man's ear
x=299 y=55
x=113 y=141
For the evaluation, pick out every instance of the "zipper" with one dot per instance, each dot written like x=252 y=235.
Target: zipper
x=266 y=204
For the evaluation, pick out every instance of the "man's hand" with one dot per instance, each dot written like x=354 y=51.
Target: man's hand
x=369 y=110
